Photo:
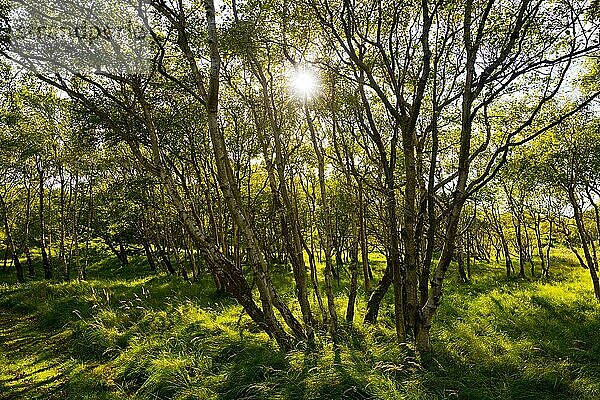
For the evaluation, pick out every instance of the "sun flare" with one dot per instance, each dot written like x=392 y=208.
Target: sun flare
x=304 y=83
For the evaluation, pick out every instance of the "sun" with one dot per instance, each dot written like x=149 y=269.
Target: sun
x=304 y=83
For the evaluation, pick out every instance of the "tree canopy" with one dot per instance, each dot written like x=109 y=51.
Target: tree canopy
x=238 y=140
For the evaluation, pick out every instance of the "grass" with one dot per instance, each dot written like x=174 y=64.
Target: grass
x=125 y=334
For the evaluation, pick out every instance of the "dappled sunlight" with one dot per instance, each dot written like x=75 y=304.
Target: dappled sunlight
x=321 y=199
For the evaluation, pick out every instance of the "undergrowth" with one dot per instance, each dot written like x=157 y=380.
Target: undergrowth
x=125 y=334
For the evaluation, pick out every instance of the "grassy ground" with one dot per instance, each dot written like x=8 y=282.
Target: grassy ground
x=126 y=335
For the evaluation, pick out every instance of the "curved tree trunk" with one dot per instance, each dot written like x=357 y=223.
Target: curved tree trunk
x=378 y=294
x=583 y=236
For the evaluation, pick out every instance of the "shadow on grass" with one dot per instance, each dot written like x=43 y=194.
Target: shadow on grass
x=518 y=339
x=127 y=334
x=30 y=365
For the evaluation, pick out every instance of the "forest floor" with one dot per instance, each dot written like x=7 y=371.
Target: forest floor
x=124 y=334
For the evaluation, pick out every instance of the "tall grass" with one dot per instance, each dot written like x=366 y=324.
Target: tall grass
x=128 y=335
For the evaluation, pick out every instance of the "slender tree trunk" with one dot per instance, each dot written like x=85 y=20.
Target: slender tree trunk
x=461 y=266
x=409 y=237
x=597 y=221
x=82 y=273
x=10 y=243
x=189 y=255
x=495 y=219
x=62 y=260
x=507 y=258
x=30 y=267
x=364 y=245
x=74 y=252
x=45 y=261
x=353 y=285
x=166 y=260
x=377 y=295
x=519 y=240
x=314 y=276
x=529 y=248
x=397 y=268
x=353 y=262
x=182 y=270
x=468 y=255
x=549 y=247
x=5 y=260
x=336 y=242
x=310 y=251
x=327 y=225
x=538 y=238
x=148 y=252
x=584 y=241
x=123 y=253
